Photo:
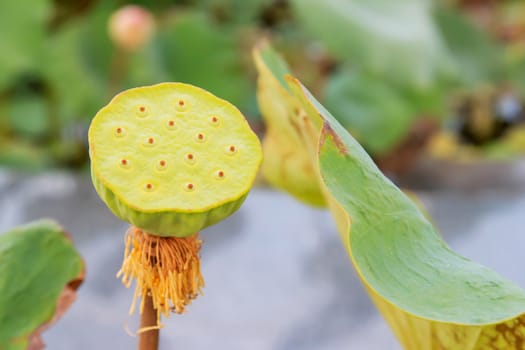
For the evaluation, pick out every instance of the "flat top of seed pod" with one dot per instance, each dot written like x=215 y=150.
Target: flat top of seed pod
x=173 y=146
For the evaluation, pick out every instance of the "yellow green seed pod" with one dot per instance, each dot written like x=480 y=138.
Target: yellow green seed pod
x=172 y=159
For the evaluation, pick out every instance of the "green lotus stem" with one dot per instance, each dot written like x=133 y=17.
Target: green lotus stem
x=119 y=66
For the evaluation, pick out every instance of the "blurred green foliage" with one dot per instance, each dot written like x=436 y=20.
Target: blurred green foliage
x=380 y=64
x=395 y=39
x=382 y=113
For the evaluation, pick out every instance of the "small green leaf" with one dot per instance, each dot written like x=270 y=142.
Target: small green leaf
x=38 y=266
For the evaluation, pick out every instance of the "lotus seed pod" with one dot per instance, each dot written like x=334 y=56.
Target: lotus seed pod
x=131 y=27
x=172 y=159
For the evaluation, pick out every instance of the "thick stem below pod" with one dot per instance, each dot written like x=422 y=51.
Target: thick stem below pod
x=167 y=269
x=149 y=332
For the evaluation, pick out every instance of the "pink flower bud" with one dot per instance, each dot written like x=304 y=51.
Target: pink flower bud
x=131 y=27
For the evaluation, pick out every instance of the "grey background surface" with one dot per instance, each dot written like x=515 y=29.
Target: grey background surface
x=276 y=274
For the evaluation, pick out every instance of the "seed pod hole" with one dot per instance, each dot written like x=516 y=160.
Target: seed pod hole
x=170 y=124
x=119 y=132
x=219 y=174
x=142 y=111
x=189 y=158
x=200 y=137
x=149 y=187
x=161 y=164
x=214 y=120
x=124 y=163
x=231 y=149
x=181 y=105
x=189 y=187
x=150 y=141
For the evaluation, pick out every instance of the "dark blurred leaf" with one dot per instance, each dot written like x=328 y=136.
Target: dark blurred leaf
x=22 y=37
x=72 y=154
x=66 y=10
x=476 y=57
x=28 y=116
x=235 y=11
x=396 y=39
x=39 y=274
x=375 y=113
x=198 y=52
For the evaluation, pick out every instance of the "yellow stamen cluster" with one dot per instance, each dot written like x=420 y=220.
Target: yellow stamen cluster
x=167 y=268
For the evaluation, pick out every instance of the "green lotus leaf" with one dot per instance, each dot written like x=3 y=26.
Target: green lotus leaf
x=40 y=270
x=431 y=297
